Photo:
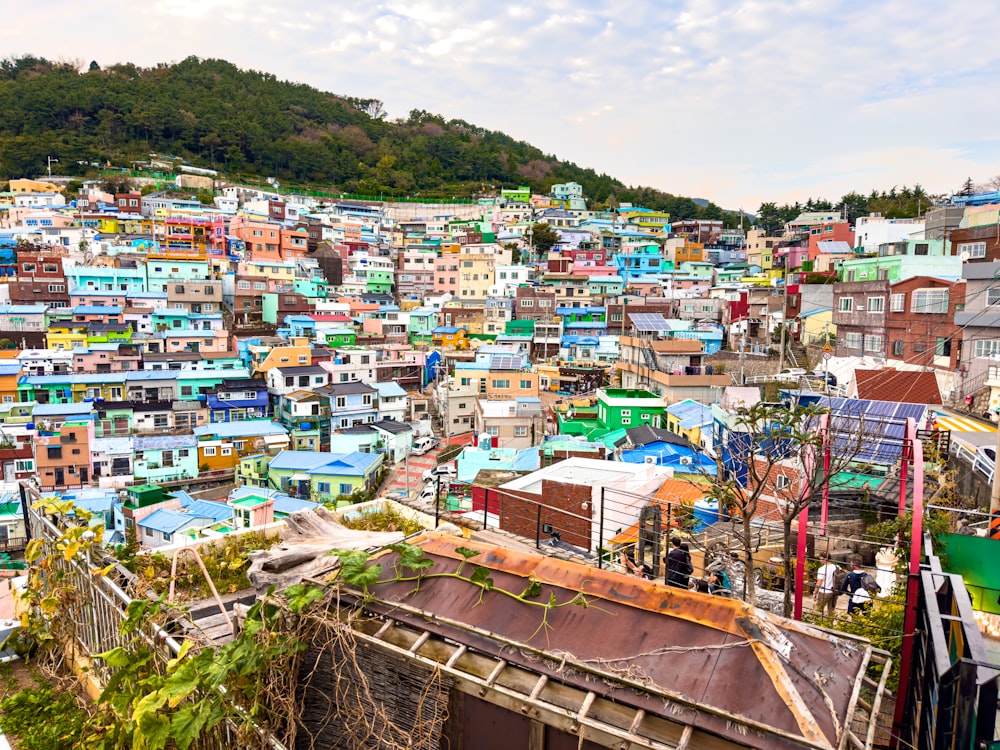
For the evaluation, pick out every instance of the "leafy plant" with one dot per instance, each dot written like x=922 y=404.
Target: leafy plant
x=42 y=718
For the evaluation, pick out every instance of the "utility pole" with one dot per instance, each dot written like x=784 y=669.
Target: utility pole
x=784 y=306
x=50 y=160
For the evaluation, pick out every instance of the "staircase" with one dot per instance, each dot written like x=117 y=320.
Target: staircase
x=797 y=354
x=650 y=356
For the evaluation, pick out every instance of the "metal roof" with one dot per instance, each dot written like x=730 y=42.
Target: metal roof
x=730 y=673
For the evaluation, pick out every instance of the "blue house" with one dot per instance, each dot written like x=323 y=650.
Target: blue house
x=238 y=400
x=351 y=404
x=654 y=445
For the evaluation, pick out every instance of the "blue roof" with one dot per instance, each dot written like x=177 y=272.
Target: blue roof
x=445 y=329
x=210 y=509
x=249 y=428
x=10 y=368
x=817 y=311
x=690 y=413
x=317 y=462
x=527 y=460
x=97 y=310
x=23 y=309
x=166 y=521
x=70 y=378
x=390 y=389
x=284 y=504
x=47 y=410
x=146 y=375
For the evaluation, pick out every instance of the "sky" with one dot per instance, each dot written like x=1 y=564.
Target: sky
x=736 y=102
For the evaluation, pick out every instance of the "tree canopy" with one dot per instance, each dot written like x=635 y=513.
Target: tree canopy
x=249 y=124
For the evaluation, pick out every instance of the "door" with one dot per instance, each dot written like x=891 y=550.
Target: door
x=8 y=472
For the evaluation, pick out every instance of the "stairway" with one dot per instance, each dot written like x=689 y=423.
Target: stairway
x=797 y=354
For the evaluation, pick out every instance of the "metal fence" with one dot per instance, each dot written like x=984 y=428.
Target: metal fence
x=98 y=612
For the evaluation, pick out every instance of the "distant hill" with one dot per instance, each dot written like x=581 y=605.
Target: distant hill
x=249 y=124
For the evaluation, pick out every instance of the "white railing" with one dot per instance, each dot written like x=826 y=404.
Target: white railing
x=979 y=463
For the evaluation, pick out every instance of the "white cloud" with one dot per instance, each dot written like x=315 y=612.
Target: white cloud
x=738 y=102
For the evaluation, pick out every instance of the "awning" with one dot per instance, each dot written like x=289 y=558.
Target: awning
x=299 y=478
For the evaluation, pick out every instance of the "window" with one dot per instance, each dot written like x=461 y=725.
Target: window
x=323 y=488
x=501 y=384
x=897 y=303
x=209 y=451
x=346 y=488
x=521 y=431
x=942 y=346
x=148 y=531
x=987 y=348
x=626 y=412
x=226 y=451
x=852 y=340
x=187 y=390
x=936 y=300
x=527 y=303
x=183 y=453
x=55 y=452
x=493 y=431
x=781 y=482
x=972 y=249
x=873 y=343
x=24 y=465
x=876 y=304
x=626 y=420
x=525 y=384
x=897 y=348
x=341 y=402
x=846 y=304
x=243 y=285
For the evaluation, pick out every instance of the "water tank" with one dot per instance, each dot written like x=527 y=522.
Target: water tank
x=484 y=441
x=706 y=513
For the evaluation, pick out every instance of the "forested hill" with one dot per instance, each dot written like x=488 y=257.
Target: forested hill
x=248 y=123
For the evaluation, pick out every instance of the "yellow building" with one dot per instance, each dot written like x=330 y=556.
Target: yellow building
x=760 y=249
x=294 y=354
x=691 y=419
x=33 y=186
x=815 y=326
x=449 y=337
x=475 y=276
x=66 y=336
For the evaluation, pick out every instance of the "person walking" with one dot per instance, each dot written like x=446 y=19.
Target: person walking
x=825 y=594
x=678 y=562
x=860 y=585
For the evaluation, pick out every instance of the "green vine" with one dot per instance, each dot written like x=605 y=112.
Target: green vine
x=356 y=569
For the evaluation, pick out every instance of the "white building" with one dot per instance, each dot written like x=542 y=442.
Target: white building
x=872 y=231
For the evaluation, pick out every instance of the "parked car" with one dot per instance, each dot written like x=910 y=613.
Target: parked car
x=443 y=470
x=428 y=494
x=791 y=374
x=829 y=377
x=424 y=445
x=986 y=460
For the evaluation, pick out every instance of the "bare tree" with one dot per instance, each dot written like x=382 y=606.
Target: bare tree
x=782 y=459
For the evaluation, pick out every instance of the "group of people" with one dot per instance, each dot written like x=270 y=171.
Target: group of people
x=679 y=570
x=832 y=581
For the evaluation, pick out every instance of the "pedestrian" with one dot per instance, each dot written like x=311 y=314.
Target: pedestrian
x=628 y=562
x=861 y=586
x=717 y=583
x=825 y=594
x=678 y=562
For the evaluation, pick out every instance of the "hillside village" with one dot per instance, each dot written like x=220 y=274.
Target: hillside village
x=559 y=376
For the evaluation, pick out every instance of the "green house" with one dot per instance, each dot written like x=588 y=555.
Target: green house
x=629 y=407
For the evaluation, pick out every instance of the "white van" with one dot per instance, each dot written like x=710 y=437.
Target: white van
x=424 y=445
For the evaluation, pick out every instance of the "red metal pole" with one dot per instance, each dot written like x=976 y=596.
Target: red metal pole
x=913 y=579
x=808 y=462
x=825 y=509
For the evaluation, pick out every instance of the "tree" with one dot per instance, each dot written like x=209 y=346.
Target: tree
x=776 y=462
x=768 y=219
x=543 y=238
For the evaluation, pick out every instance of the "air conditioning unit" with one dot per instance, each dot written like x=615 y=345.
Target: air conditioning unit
x=686 y=460
x=649 y=460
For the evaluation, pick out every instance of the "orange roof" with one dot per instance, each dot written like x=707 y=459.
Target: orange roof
x=672 y=491
x=888 y=384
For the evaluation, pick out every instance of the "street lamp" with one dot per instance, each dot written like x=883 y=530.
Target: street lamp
x=50 y=160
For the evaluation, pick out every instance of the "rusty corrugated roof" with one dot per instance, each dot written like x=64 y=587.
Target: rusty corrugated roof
x=717 y=663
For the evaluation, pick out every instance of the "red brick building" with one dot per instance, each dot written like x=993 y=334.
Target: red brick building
x=977 y=244
x=920 y=322
x=534 y=303
x=40 y=277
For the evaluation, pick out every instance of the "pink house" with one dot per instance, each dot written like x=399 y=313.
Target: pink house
x=192 y=341
x=111 y=357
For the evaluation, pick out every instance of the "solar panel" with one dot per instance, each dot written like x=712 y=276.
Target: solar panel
x=871 y=430
x=506 y=362
x=649 y=322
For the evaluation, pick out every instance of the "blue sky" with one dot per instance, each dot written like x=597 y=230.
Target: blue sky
x=738 y=102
